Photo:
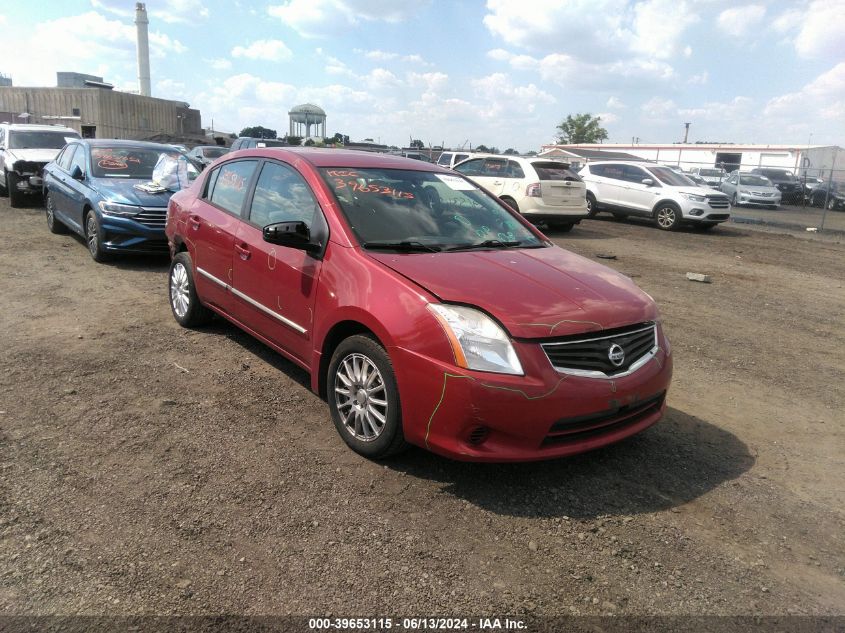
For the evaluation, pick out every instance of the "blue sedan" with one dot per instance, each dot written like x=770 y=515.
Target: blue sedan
x=92 y=189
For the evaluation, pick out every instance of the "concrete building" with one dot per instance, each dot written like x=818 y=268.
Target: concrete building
x=810 y=160
x=80 y=80
x=100 y=112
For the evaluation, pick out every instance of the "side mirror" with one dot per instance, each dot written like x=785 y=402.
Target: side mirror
x=291 y=234
x=76 y=173
x=648 y=182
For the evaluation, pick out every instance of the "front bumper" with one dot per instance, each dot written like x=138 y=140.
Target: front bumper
x=480 y=416
x=127 y=235
x=749 y=198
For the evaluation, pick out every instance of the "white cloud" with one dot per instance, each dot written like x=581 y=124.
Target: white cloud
x=219 y=63
x=266 y=50
x=616 y=103
x=737 y=21
x=318 y=18
x=385 y=56
x=823 y=99
x=819 y=31
x=89 y=42
x=699 y=79
x=658 y=26
x=659 y=108
x=170 y=11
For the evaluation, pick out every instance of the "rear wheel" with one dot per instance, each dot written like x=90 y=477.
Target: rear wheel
x=53 y=223
x=364 y=399
x=592 y=205
x=15 y=196
x=510 y=202
x=667 y=216
x=184 y=302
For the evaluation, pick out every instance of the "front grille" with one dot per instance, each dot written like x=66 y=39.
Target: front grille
x=586 y=426
x=589 y=354
x=718 y=216
x=28 y=167
x=153 y=217
x=718 y=202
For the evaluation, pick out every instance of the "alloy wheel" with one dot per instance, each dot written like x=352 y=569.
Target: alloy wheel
x=51 y=218
x=360 y=397
x=93 y=236
x=666 y=217
x=179 y=291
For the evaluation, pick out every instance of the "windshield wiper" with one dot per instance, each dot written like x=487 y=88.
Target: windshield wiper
x=484 y=244
x=407 y=246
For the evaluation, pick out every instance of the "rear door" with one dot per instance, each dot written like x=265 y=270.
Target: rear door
x=275 y=286
x=56 y=182
x=211 y=225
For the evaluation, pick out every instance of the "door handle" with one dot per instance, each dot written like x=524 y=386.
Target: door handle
x=195 y=222
x=243 y=251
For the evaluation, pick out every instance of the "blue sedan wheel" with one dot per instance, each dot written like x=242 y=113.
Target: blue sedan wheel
x=94 y=238
x=54 y=224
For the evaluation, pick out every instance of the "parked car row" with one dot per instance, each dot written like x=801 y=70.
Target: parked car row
x=427 y=311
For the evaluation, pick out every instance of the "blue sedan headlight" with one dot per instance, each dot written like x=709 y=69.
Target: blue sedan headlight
x=115 y=208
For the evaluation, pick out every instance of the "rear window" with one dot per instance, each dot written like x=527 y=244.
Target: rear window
x=39 y=140
x=713 y=173
x=777 y=174
x=554 y=171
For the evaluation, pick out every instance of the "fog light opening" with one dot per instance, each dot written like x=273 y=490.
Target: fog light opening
x=478 y=435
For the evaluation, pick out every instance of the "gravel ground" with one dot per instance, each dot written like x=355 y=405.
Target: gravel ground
x=147 y=469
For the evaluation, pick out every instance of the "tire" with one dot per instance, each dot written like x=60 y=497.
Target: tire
x=94 y=238
x=16 y=198
x=667 y=216
x=368 y=427
x=592 y=205
x=831 y=203
x=54 y=224
x=511 y=203
x=182 y=294
x=4 y=192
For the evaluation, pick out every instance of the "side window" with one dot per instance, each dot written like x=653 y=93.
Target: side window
x=460 y=157
x=634 y=174
x=514 y=170
x=2 y=137
x=282 y=195
x=616 y=172
x=596 y=170
x=64 y=158
x=209 y=184
x=494 y=168
x=78 y=160
x=231 y=184
x=444 y=159
x=471 y=167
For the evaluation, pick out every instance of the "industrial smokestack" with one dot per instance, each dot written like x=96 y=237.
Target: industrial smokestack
x=686 y=131
x=141 y=23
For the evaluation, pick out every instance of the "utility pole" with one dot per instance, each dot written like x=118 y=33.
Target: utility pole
x=686 y=131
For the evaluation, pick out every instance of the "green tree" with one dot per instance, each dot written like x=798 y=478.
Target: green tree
x=510 y=152
x=294 y=140
x=581 y=128
x=487 y=150
x=257 y=131
x=417 y=144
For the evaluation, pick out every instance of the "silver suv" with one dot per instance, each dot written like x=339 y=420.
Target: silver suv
x=652 y=191
x=24 y=150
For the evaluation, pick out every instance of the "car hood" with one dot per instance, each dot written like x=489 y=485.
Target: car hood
x=35 y=155
x=123 y=191
x=534 y=293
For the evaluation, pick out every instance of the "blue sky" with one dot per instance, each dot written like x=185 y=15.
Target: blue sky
x=497 y=72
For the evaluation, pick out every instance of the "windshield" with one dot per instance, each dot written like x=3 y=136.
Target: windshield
x=431 y=211
x=40 y=140
x=214 y=152
x=130 y=162
x=780 y=175
x=757 y=181
x=551 y=170
x=712 y=173
x=669 y=177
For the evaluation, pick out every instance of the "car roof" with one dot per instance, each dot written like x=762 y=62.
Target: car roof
x=327 y=157
x=35 y=127
x=635 y=163
x=105 y=142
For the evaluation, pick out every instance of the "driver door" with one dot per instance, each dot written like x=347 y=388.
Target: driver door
x=275 y=286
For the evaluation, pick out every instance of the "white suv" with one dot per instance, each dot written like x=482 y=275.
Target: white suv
x=24 y=150
x=543 y=190
x=652 y=191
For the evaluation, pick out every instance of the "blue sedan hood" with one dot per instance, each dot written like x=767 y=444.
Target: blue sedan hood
x=123 y=191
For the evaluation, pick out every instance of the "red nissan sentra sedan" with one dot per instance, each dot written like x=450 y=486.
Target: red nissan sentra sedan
x=426 y=311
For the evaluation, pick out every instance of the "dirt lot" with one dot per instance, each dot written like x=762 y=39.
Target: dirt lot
x=146 y=469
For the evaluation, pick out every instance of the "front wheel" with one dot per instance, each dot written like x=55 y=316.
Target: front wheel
x=667 y=217
x=364 y=399
x=53 y=223
x=184 y=302
x=15 y=195
x=94 y=238
x=511 y=203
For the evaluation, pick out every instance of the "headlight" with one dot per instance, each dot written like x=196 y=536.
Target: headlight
x=114 y=208
x=694 y=197
x=477 y=340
